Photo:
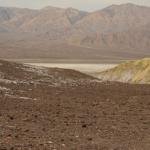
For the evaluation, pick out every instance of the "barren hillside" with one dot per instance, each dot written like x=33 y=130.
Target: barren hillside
x=132 y=72
x=47 y=109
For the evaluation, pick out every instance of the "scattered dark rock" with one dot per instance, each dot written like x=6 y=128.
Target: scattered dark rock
x=69 y=117
x=84 y=126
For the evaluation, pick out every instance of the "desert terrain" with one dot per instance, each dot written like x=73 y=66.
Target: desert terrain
x=62 y=109
x=70 y=79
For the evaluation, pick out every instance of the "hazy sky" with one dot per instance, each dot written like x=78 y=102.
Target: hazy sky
x=80 y=4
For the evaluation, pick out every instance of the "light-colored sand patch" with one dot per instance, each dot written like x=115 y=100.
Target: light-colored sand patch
x=85 y=68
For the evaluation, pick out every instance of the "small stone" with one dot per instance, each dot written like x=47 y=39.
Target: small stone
x=89 y=139
x=62 y=140
x=11 y=117
x=63 y=145
x=12 y=148
x=49 y=142
x=84 y=126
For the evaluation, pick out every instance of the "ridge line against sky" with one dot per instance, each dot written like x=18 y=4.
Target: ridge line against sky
x=86 y=5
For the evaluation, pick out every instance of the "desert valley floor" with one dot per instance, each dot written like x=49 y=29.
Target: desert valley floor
x=60 y=109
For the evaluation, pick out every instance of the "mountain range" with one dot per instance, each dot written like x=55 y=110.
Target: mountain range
x=115 y=33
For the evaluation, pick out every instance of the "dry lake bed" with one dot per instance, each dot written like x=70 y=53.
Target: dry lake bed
x=85 y=68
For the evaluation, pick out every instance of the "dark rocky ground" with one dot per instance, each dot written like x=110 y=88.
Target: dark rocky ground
x=57 y=109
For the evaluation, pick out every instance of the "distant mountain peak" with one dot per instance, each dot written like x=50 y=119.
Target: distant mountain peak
x=125 y=5
x=51 y=8
x=128 y=4
x=71 y=8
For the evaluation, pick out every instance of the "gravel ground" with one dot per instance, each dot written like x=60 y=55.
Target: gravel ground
x=40 y=112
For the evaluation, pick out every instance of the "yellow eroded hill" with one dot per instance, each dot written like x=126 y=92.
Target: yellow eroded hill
x=132 y=72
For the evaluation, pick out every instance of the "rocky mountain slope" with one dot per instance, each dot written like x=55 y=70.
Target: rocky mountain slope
x=132 y=71
x=47 y=109
x=116 y=32
x=42 y=21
